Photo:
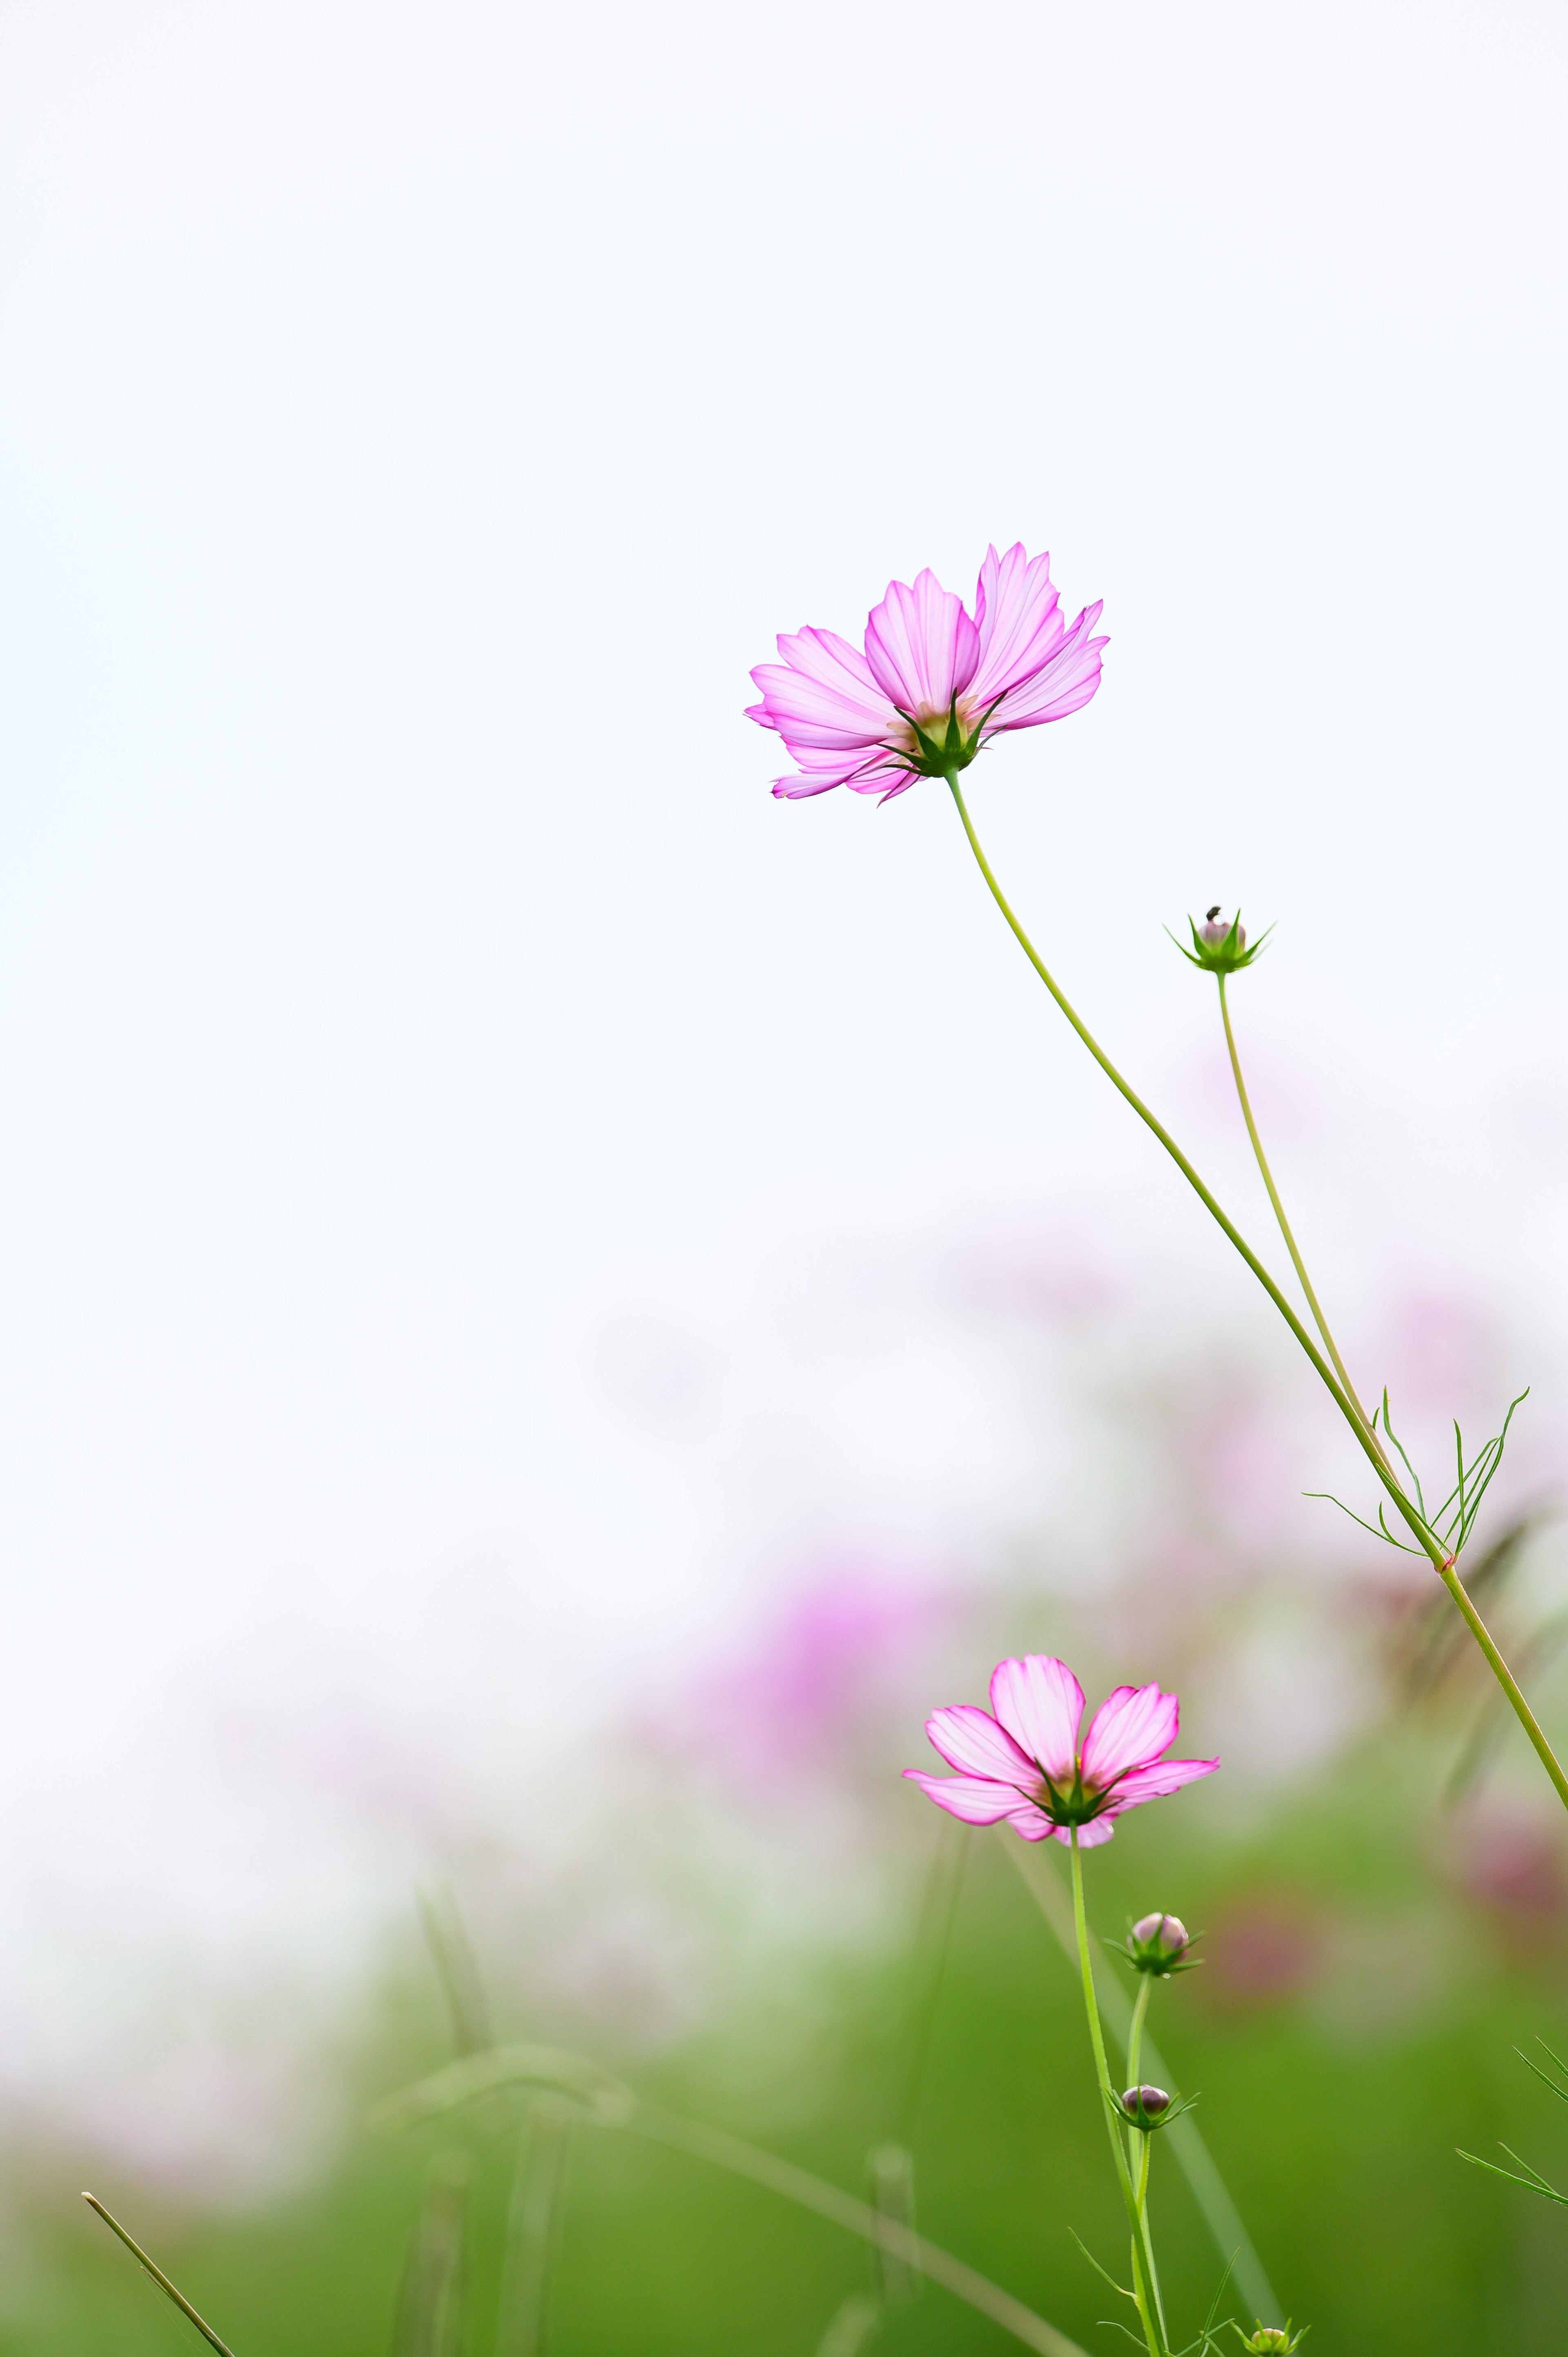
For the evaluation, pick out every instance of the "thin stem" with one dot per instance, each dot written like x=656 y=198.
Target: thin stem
x=1330 y=1345
x=1135 y=2049
x=1149 y=2254
x=1142 y=2279
x=1441 y=1562
x=1137 y=2139
x=1135 y=2029
x=158 y=2276
x=1184 y=2141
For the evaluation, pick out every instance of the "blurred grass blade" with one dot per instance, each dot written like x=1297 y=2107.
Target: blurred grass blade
x=432 y=2297
x=456 y=1969
x=1183 y=2139
x=828 y=2202
x=933 y=1938
x=158 y=2276
x=501 y=2069
x=850 y=2328
x=892 y=2171
x=609 y=2104
x=533 y=2228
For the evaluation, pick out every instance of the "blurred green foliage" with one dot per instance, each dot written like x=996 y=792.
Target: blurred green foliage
x=1355 y=2023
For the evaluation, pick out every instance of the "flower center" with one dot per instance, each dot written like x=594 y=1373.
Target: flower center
x=935 y=743
x=1070 y=1802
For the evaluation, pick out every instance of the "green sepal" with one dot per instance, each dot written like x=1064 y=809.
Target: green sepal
x=1145 y=2126
x=1227 y=956
x=1270 y=2338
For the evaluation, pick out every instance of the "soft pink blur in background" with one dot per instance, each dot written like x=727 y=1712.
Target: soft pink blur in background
x=545 y=1293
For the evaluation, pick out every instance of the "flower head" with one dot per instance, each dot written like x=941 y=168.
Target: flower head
x=1147 y=2108
x=1158 y=1943
x=1021 y=1760
x=1145 y=2103
x=1219 y=943
x=932 y=686
x=1271 y=2337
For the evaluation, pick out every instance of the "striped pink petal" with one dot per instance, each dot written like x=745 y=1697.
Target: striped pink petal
x=1165 y=1776
x=1018 y=612
x=1030 y=1823
x=975 y=1799
x=921 y=645
x=1093 y=1835
x=866 y=772
x=1132 y=1726
x=1040 y=1703
x=969 y=1739
x=1064 y=684
x=822 y=694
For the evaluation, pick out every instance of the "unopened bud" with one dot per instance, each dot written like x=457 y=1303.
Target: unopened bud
x=1271 y=2336
x=1216 y=929
x=1156 y=1943
x=1145 y=2107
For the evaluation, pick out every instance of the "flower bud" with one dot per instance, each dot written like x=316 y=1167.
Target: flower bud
x=1219 y=943
x=1270 y=2337
x=1215 y=929
x=1156 y=1943
x=1145 y=2107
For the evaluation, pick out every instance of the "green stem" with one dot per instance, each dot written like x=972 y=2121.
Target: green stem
x=1367 y=1438
x=1139 y=2146
x=1136 y=2030
x=1143 y=2263
x=1330 y=1345
x=1134 y=2051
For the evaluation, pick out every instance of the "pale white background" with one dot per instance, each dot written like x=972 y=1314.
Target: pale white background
x=413 y=422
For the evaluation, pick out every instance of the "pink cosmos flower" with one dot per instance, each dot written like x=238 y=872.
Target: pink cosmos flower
x=933 y=687
x=1024 y=1763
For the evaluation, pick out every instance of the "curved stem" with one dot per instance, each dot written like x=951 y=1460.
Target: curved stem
x=889 y=2234
x=1431 y=1545
x=1143 y=2265
x=1329 y=1344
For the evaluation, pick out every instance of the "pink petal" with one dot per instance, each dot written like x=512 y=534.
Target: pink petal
x=866 y=772
x=1030 y=1823
x=1165 y=1776
x=796 y=789
x=875 y=781
x=1064 y=684
x=821 y=693
x=975 y=1799
x=921 y=646
x=1132 y=1726
x=1017 y=610
x=969 y=1738
x=1093 y=1835
x=1040 y=1703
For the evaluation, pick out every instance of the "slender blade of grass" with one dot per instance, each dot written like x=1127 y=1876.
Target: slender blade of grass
x=850 y=2328
x=433 y=2298
x=158 y=2276
x=533 y=2228
x=457 y=1970
x=608 y=2103
x=811 y=2193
